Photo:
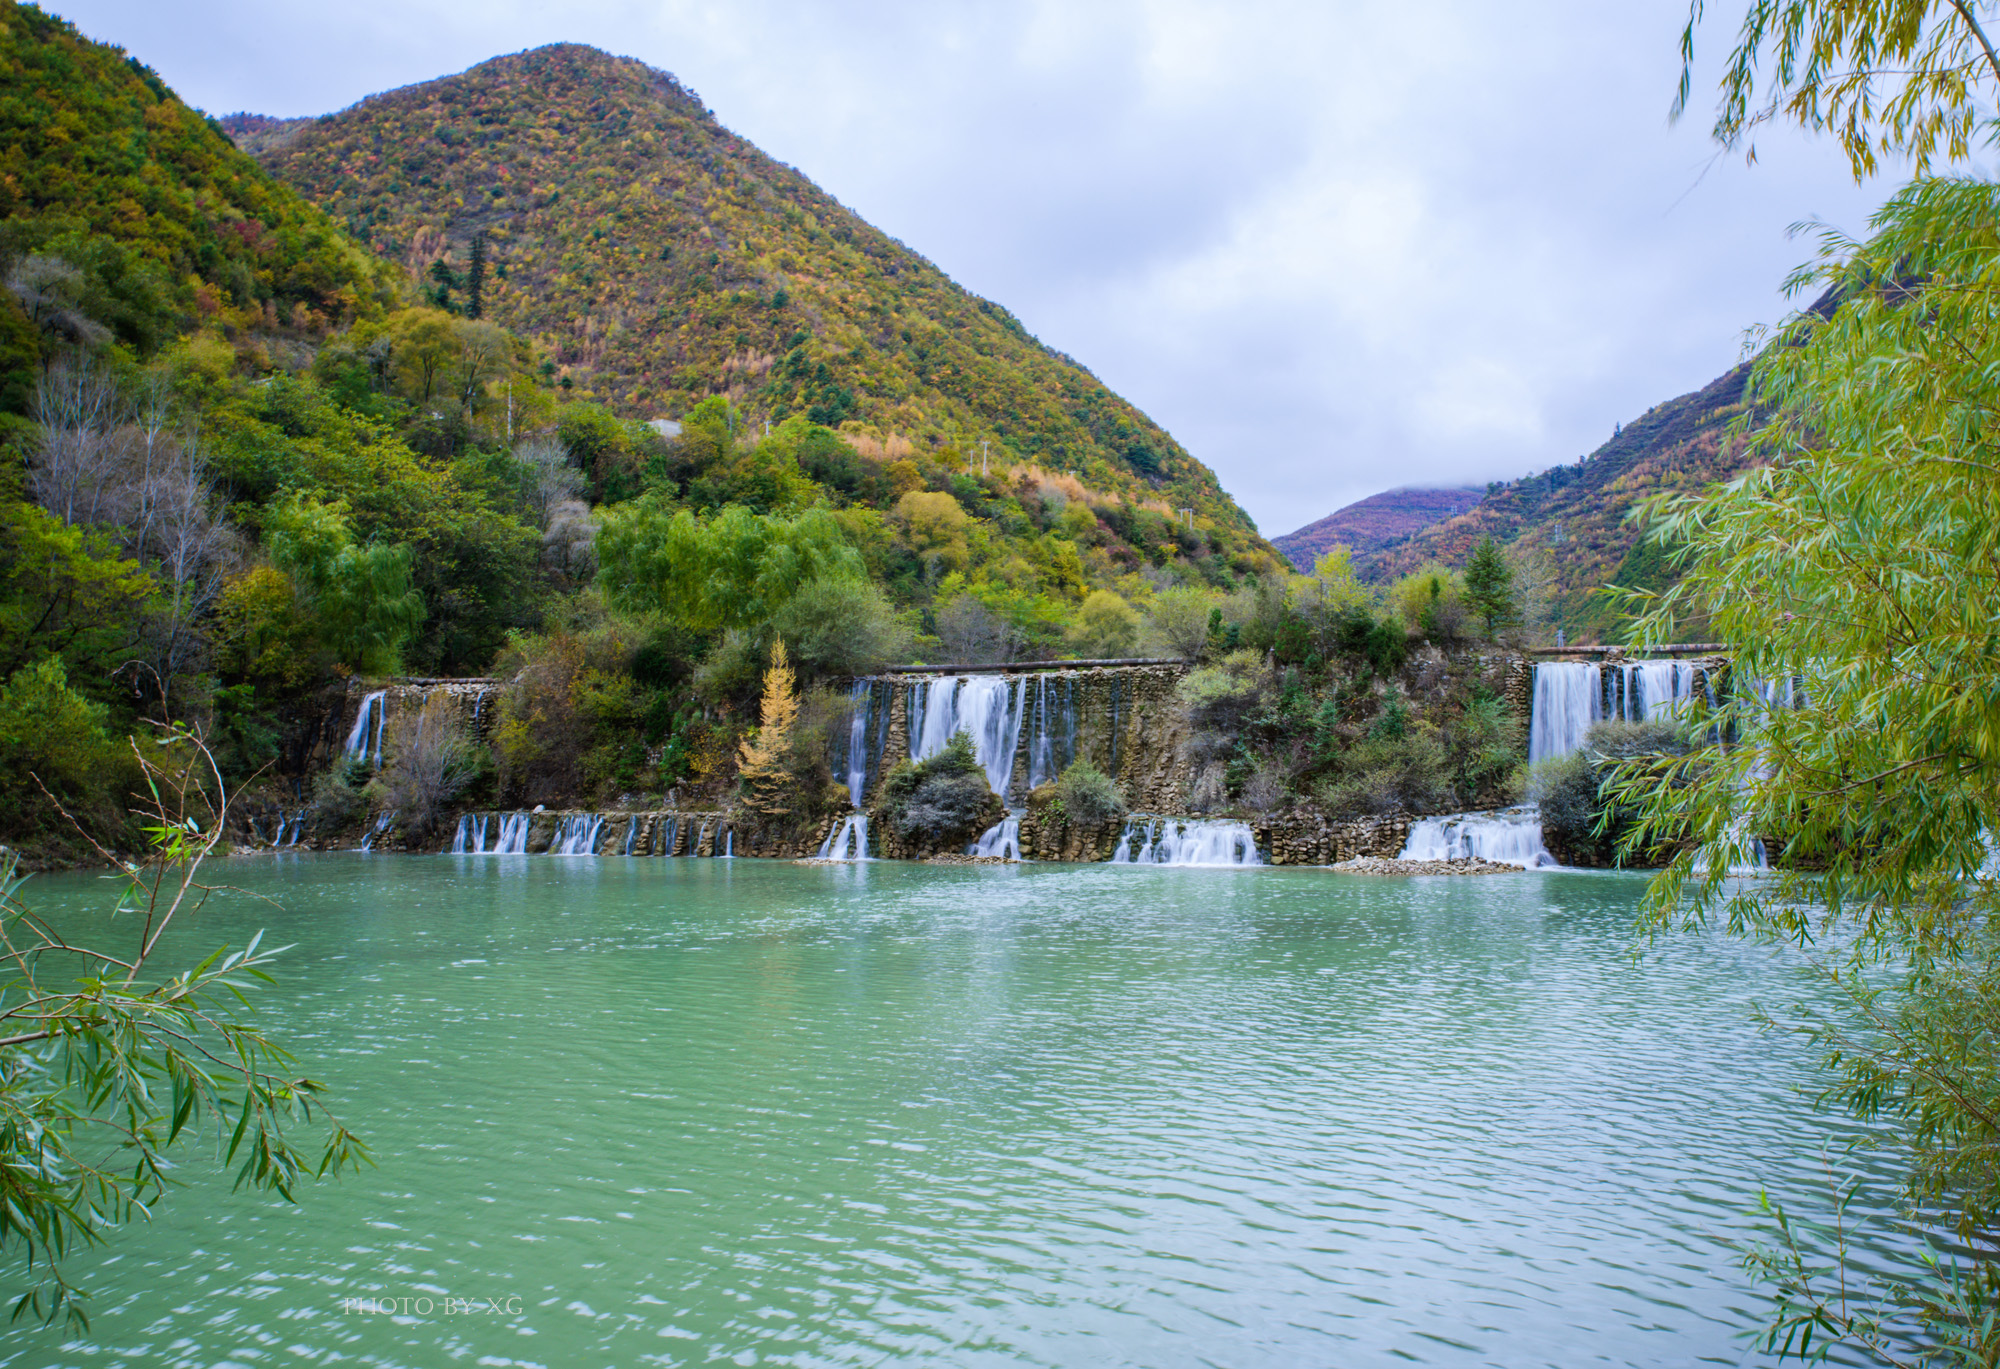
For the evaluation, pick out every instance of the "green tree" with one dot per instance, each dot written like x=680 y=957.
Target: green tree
x=735 y=570
x=361 y=599
x=1857 y=576
x=1489 y=586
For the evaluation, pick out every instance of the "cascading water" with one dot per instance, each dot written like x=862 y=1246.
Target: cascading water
x=470 y=839
x=1568 y=699
x=513 y=837
x=849 y=841
x=368 y=727
x=381 y=825
x=1512 y=836
x=576 y=835
x=1186 y=841
x=857 y=742
x=1650 y=689
x=1001 y=841
x=1051 y=728
x=986 y=707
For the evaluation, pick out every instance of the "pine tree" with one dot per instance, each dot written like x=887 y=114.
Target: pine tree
x=767 y=781
x=475 y=278
x=1489 y=585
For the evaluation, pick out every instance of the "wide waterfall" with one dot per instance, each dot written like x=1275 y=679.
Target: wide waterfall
x=368 y=727
x=576 y=835
x=1512 y=836
x=1568 y=700
x=986 y=707
x=1186 y=841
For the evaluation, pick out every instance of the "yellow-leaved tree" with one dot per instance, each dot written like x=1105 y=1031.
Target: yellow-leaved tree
x=766 y=778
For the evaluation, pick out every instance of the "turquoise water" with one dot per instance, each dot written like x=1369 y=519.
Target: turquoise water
x=679 y=1112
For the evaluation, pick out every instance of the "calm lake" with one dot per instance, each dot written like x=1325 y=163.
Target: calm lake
x=692 y=1112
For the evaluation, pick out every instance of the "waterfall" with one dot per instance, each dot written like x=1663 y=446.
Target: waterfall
x=381 y=826
x=1568 y=699
x=471 y=837
x=1186 y=841
x=729 y=843
x=576 y=835
x=372 y=708
x=631 y=834
x=987 y=707
x=851 y=835
x=513 y=837
x=670 y=831
x=1648 y=689
x=1051 y=728
x=298 y=827
x=1512 y=836
x=857 y=742
x=1002 y=839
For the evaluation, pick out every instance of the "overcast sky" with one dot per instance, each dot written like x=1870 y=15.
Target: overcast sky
x=1333 y=247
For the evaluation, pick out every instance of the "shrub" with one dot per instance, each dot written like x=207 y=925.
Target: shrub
x=1089 y=796
x=944 y=799
x=1566 y=788
x=1383 y=773
x=51 y=732
x=841 y=625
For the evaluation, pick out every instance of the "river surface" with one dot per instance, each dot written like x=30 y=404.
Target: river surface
x=694 y=1112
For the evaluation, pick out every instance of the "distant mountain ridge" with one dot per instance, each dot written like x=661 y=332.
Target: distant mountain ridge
x=1371 y=525
x=1578 y=512
x=659 y=258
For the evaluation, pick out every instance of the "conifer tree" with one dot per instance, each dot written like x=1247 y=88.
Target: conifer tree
x=475 y=278
x=1489 y=585
x=767 y=782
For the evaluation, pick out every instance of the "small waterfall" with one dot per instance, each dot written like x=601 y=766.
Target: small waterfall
x=631 y=834
x=1648 y=689
x=670 y=830
x=372 y=711
x=851 y=835
x=381 y=826
x=1186 y=841
x=576 y=835
x=1001 y=840
x=470 y=839
x=1512 y=836
x=1051 y=728
x=729 y=844
x=1568 y=699
x=513 y=836
x=298 y=827
x=986 y=707
x=699 y=838
x=857 y=742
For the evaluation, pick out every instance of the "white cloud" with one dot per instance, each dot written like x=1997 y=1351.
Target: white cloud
x=1332 y=247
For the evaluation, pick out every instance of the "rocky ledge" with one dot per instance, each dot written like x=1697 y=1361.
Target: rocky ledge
x=1379 y=865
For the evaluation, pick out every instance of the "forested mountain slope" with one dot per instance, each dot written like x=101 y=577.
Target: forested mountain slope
x=1578 y=512
x=658 y=258
x=1369 y=526
x=166 y=224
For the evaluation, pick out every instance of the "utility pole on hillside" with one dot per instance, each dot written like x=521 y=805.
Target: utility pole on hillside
x=982 y=456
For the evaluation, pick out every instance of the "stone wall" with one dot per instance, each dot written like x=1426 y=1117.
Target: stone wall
x=1304 y=836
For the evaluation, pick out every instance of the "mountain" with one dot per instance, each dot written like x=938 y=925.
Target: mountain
x=1375 y=523
x=658 y=258
x=164 y=224
x=1578 y=512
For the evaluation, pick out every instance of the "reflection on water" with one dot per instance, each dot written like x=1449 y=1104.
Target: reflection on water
x=692 y=1112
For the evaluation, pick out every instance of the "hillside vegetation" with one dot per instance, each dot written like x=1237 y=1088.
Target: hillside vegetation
x=1369 y=526
x=1576 y=514
x=658 y=259
x=163 y=223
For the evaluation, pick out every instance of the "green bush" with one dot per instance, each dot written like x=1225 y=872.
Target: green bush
x=941 y=800
x=1384 y=773
x=50 y=732
x=1089 y=797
